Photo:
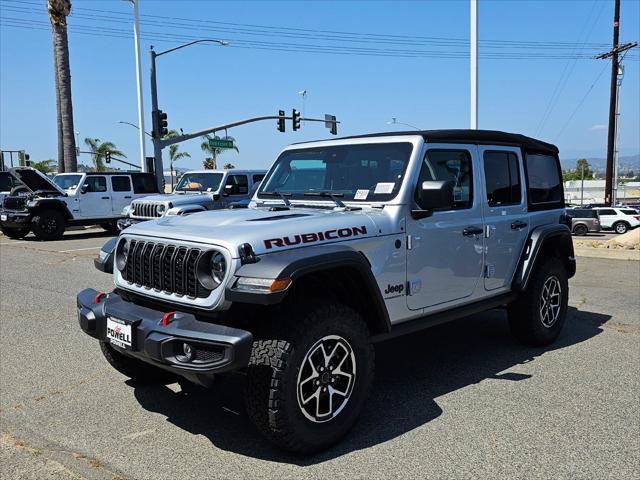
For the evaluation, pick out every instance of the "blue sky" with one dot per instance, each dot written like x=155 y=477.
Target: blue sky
x=208 y=85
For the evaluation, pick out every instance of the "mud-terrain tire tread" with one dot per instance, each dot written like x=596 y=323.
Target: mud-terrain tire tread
x=269 y=383
x=133 y=368
x=524 y=314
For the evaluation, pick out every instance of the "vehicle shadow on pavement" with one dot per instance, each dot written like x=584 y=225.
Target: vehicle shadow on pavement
x=77 y=235
x=411 y=373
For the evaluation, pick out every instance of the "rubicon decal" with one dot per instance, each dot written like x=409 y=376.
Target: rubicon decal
x=315 y=237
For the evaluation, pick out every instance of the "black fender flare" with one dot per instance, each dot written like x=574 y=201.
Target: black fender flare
x=300 y=262
x=555 y=238
x=51 y=204
x=104 y=261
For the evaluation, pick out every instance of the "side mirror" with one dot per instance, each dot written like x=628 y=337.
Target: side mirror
x=227 y=190
x=434 y=195
x=84 y=188
x=104 y=260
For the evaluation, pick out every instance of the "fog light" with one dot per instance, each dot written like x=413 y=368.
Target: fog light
x=187 y=353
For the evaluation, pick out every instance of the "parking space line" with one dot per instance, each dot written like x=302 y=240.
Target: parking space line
x=79 y=249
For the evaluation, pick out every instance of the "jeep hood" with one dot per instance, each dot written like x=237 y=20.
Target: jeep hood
x=267 y=231
x=34 y=180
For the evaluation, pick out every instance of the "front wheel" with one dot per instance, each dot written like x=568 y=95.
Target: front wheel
x=48 y=225
x=15 y=233
x=621 y=227
x=307 y=386
x=538 y=316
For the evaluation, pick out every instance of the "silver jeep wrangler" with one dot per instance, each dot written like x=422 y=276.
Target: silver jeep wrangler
x=346 y=242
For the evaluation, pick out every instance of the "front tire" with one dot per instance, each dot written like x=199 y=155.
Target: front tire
x=15 y=233
x=307 y=385
x=133 y=368
x=620 y=227
x=538 y=316
x=48 y=225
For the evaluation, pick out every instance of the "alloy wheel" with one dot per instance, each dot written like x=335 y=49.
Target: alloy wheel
x=550 y=301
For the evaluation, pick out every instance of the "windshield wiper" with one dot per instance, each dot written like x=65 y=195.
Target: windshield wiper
x=283 y=196
x=330 y=195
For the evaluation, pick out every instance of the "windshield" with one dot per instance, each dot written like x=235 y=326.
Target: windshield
x=367 y=172
x=67 y=182
x=199 y=182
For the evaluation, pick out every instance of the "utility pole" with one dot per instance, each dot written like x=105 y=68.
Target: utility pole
x=136 y=41
x=473 y=63
x=608 y=184
x=582 y=186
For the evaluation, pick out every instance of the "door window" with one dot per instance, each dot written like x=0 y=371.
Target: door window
x=449 y=165
x=502 y=178
x=95 y=184
x=239 y=185
x=120 y=184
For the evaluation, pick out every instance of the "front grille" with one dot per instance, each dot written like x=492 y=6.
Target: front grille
x=146 y=210
x=166 y=268
x=14 y=203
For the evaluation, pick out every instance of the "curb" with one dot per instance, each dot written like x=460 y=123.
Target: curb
x=615 y=254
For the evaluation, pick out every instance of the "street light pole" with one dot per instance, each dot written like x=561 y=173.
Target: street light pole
x=136 y=42
x=394 y=121
x=156 y=137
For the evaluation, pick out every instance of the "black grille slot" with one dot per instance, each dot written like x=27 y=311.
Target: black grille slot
x=165 y=268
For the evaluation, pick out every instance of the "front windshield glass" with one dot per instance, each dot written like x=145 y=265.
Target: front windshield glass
x=367 y=172
x=199 y=182
x=67 y=182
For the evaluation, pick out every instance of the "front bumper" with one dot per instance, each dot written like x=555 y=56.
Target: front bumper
x=127 y=222
x=216 y=348
x=13 y=219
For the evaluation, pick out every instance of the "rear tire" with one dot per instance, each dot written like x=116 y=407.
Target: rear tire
x=620 y=227
x=306 y=385
x=48 y=225
x=580 y=230
x=133 y=368
x=15 y=233
x=538 y=316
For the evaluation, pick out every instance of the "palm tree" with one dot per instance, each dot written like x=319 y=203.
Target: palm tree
x=99 y=152
x=174 y=155
x=58 y=12
x=211 y=163
x=45 y=166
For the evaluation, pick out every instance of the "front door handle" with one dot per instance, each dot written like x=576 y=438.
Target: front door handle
x=470 y=231
x=517 y=225
x=128 y=196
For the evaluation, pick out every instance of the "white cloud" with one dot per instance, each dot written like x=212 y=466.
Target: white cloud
x=598 y=126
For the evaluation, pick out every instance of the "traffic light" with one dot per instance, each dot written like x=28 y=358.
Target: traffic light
x=107 y=156
x=334 y=125
x=281 y=126
x=295 y=120
x=160 y=124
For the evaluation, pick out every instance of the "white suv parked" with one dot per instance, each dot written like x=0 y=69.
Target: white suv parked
x=618 y=219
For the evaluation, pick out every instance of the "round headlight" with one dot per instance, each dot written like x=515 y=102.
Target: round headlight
x=122 y=253
x=218 y=267
x=161 y=208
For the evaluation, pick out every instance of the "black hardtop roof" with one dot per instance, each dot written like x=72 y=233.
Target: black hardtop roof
x=114 y=173
x=481 y=137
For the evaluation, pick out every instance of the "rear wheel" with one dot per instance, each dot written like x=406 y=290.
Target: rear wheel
x=307 y=385
x=15 y=233
x=133 y=368
x=580 y=229
x=620 y=227
x=48 y=225
x=538 y=316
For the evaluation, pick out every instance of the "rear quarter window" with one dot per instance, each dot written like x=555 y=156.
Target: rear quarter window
x=628 y=211
x=544 y=181
x=144 y=183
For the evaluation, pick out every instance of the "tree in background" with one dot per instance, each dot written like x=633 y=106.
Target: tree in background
x=99 y=151
x=577 y=174
x=58 y=12
x=211 y=162
x=174 y=155
x=229 y=166
x=45 y=166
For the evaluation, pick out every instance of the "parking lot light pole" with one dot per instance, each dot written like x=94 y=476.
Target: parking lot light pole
x=155 y=134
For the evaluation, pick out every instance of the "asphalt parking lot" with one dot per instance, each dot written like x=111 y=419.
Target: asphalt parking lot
x=458 y=401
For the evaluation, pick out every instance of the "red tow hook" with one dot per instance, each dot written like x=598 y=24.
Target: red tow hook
x=98 y=297
x=166 y=318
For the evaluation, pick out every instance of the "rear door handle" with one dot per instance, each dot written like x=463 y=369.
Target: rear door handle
x=517 y=225
x=105 y=198
x=470 y=231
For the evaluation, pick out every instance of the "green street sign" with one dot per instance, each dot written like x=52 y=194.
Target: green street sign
x=220 y=143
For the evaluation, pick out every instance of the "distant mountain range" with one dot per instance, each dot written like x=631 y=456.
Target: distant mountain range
x=626 y=163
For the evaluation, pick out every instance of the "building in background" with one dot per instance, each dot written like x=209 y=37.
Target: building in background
x=628 y=192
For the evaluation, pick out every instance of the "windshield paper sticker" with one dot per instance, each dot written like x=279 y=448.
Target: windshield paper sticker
x=384 y=187
x=361 y=195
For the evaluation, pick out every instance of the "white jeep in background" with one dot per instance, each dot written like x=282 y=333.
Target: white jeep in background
x=620 y=220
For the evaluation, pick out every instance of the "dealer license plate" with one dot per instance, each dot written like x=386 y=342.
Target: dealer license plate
x=119 y=333
x=3 y=218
